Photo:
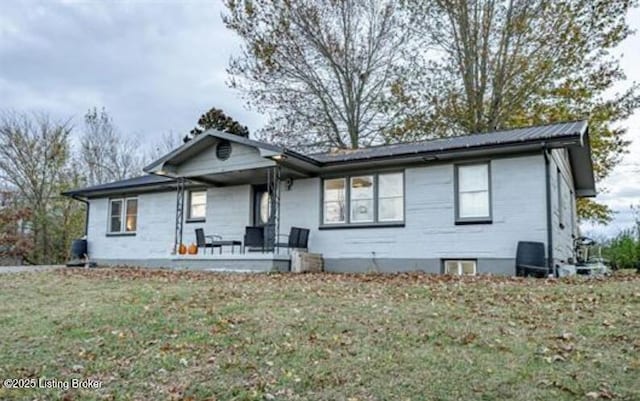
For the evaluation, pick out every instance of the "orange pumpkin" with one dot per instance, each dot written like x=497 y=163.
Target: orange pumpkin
x=182 y=249
x=193 y=249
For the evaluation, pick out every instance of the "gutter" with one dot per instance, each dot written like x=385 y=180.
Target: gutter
x=116 y=190
x=302 y=157
x=547 y=169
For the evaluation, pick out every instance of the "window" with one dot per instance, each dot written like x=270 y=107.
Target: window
x=559 y=188
x=123 y=216
x=572 y=213
x=391 y=197
x=473 y=193
x=367 y=199
x=197 y=205
x=362 y=199
x=265 y=207
x=131 y=217
x=334 y=201
x=116 y=216
x=460 y=267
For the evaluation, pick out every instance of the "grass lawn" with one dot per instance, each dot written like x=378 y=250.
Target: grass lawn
x=150 y=335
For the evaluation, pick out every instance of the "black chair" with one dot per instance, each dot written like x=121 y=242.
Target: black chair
x=303 y=239
x=254 y=239
x=298 y=238
x=530 y=260
x=201 y=240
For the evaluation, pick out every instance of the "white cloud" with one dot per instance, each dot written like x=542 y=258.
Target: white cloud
x=155 y=67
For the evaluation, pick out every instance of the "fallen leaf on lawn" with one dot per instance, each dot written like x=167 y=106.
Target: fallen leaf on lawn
x=468 y=338
x=565 y=336
x=567 y=347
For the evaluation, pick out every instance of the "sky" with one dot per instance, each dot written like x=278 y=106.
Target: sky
x=156 y=66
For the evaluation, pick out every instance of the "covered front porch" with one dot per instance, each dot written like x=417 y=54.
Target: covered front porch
x=236 y=220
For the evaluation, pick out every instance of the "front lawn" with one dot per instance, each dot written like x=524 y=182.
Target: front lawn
x=150 y=335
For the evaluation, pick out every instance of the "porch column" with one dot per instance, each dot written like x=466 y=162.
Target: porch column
x=273 y=187
x=179 y=214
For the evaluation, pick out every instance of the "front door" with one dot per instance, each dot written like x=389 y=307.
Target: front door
x=262 y=209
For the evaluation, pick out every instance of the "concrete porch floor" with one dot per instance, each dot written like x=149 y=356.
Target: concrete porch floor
x=237 y=262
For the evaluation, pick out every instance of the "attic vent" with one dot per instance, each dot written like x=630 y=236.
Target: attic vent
x=223 y=150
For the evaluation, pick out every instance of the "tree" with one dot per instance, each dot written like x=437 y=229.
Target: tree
x=105 y=154
x=508 y=63
x=328 y=72
x=217 y=119
x=15 y=240
x=166 y=144
x=34 y=162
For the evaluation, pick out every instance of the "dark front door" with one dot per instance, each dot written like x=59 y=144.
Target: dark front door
x=262 y=210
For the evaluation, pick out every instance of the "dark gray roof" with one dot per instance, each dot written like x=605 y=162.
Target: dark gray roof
x=136 y=182
x=504 y=137
x=573 y=131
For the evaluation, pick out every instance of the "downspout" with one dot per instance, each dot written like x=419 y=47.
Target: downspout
x=86 y=217
x=547 y=169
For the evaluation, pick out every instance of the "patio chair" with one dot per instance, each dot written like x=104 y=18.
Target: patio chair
x=254 y=239
x=298 y=238
x=201 y=240
x=530 y=260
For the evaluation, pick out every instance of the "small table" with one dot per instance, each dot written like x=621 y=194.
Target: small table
x=231 y=243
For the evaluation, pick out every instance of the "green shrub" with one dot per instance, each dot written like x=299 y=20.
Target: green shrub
x=624 y=250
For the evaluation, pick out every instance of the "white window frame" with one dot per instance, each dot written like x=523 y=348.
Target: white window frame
x=190 y=217
x=475 y=219
x=123 y=215
x=347 y=222
x=459 y=266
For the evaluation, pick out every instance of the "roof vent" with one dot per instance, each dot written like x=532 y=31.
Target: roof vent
x=223 y=150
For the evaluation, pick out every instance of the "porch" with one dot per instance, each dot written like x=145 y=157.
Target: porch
x=228 y=198
x=238 y=263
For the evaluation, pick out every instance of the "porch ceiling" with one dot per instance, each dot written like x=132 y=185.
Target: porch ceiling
x=252 y=176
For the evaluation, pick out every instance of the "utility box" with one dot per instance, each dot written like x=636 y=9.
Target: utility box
x=302 y=262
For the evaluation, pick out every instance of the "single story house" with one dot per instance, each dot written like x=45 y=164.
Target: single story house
x=453 y=205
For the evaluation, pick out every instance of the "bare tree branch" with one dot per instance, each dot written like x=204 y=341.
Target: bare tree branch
x=324 y=70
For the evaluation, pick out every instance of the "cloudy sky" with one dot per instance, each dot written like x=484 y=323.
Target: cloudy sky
x=156 y=66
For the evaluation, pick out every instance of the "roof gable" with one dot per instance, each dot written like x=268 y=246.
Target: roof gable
x=240 y=157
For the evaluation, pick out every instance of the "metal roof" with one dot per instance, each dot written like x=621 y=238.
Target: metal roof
x=574 y=131
x=136 y=182
x=504 y=137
